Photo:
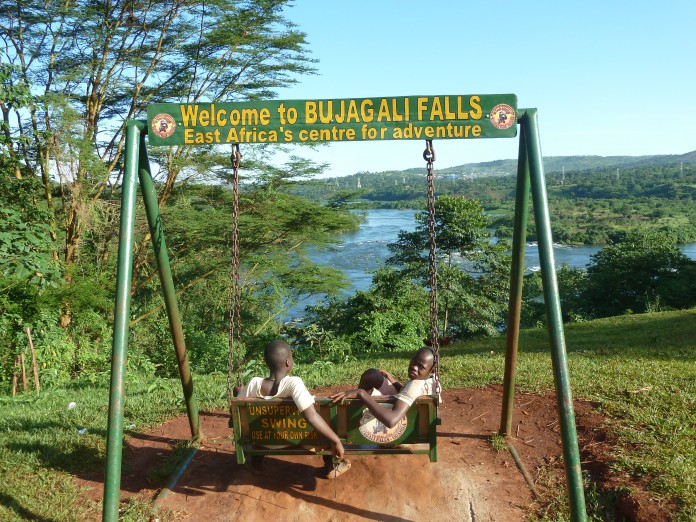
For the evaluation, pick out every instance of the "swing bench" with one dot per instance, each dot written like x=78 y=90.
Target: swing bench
x=275 y=426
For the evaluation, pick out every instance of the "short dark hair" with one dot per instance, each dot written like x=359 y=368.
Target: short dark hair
x=426 y=349
x=276 y=353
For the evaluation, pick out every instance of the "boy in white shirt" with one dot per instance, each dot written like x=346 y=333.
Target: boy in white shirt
x=278 y=358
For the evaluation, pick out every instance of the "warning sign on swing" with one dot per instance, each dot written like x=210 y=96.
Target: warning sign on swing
x=349 y=119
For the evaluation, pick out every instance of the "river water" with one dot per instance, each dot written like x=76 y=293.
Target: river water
x=363 y=250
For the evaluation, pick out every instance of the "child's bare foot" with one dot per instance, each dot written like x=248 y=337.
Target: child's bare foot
x=335 y=471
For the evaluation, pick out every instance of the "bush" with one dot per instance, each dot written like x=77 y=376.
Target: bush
x=208 y=351
x=643 y=272
x=391 y=316
x=55 y=352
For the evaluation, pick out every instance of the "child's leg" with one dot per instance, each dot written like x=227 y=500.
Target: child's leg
x=255 y=464
x=328 y=462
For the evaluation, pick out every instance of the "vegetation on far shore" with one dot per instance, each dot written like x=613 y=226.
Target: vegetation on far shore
x=591 y=202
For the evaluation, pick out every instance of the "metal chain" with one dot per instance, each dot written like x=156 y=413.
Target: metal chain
x=429 y=157
x=234 y=357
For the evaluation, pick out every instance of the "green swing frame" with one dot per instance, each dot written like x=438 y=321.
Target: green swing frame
x=163 y=118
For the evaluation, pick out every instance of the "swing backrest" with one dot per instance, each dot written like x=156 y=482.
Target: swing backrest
x=275 y=427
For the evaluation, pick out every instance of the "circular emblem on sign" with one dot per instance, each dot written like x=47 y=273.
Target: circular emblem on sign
x=502 y=116
x=163 y=125
x=375 y=431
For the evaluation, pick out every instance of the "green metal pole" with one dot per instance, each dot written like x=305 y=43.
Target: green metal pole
x=114 y=437
x=519 y=238
x=147 y=187
x=564 y=400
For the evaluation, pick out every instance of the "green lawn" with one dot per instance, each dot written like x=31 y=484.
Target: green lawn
x=44 y=443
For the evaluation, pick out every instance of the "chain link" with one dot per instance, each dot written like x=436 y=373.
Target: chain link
x=234 y=357
x=429 y=157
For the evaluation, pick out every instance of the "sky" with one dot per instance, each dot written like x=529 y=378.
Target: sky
x=607 y=78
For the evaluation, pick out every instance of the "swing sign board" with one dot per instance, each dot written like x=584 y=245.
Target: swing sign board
x=280 y=424
x=349 y=119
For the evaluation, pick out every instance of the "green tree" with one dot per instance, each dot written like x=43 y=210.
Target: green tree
x=571 y=286
x=644 y=271
x=28 y=271
x=473 y=272
x=276 y=232
x=13 y=97
x=391 y=315
x=94 y=65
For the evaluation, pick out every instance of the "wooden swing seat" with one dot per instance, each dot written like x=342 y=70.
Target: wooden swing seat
x=276 y=427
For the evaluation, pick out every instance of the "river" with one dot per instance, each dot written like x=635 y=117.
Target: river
x=363 y=250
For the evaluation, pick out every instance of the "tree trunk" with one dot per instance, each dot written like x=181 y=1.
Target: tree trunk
x=8 y=139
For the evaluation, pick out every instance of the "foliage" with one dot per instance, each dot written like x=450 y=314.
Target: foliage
x=641 y=272
x=71 y=75
x=391 y=316
x=28 y=271
x=571 y=284
x=645 y=271
x=276 y=231
x=394 y=313
x=472 y=273
x=498 y=442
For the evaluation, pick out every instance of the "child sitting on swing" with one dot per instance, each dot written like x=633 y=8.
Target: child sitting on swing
x=421 y=382
x=278 y=358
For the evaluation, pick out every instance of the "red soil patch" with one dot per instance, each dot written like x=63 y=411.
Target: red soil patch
x=471 y=481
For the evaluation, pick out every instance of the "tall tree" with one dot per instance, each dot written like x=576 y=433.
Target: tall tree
x=92 y=65
x=473 y=273
x=276 y=230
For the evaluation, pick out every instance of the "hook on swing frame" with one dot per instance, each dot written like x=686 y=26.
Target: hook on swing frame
x=429 y=152
x=236 y=156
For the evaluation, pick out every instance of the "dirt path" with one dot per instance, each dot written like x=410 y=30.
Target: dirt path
x=470 y=482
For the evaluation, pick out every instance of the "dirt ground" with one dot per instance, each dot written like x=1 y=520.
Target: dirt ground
x=470 y=482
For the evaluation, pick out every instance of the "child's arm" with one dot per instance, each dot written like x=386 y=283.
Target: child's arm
x=392 y=380
x=388 y=417
x=319 y=424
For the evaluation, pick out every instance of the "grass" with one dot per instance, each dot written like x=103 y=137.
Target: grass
x=640 y=369
x=498 y=442
x=43 y=444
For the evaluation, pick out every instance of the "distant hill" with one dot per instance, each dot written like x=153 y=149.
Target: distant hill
x=551 y=164
x=571 y=163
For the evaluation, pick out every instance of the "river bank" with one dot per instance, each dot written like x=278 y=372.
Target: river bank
x=365 y=249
